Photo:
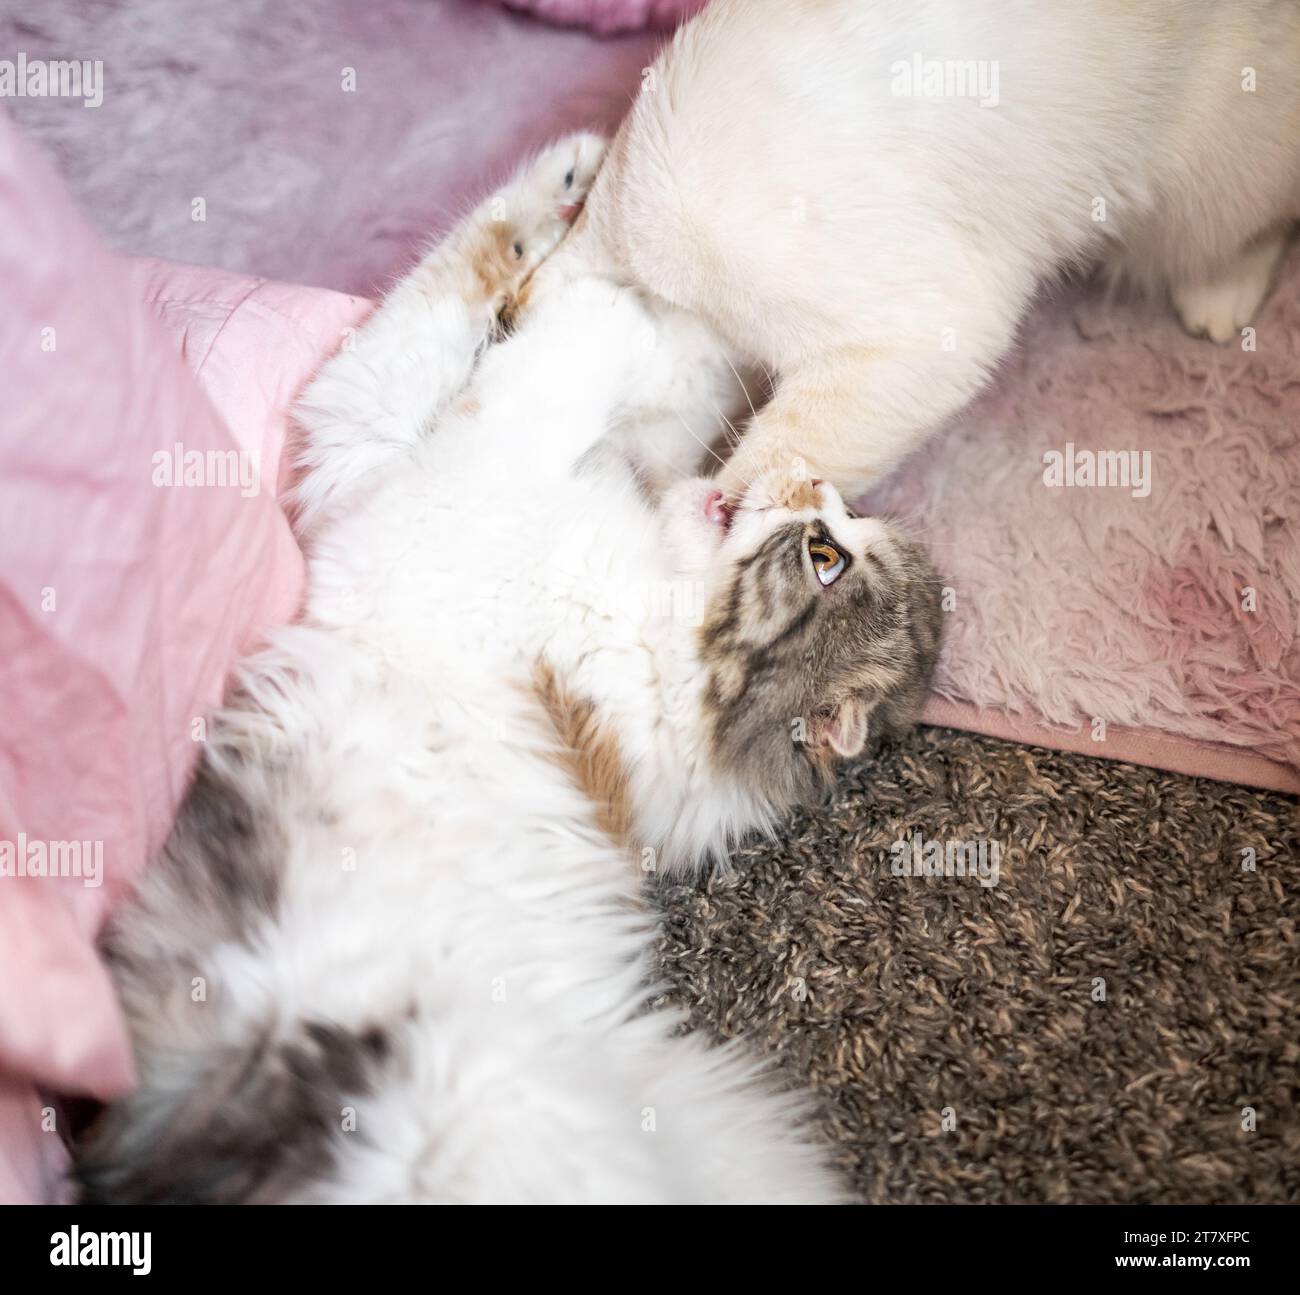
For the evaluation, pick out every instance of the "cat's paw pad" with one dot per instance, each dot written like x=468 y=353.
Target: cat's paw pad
x=1221 y=307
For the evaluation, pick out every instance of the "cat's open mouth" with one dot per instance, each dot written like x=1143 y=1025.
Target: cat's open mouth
x=719 y=511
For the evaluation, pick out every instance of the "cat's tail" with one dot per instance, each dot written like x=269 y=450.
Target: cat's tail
x=240 y=1092
x=236 y=1125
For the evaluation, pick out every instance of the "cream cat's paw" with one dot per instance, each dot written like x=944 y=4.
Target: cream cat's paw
x=790 y=487
x=1219 y=308
x=788 y=480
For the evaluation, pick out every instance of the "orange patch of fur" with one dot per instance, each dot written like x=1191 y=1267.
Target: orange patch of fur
x=492 y=259
x=588 y=752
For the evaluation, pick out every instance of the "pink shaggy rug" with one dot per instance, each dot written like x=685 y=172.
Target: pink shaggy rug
x=1158 y=622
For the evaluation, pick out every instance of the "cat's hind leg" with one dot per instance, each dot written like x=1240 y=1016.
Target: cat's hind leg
x=1220 y=306
x=395 y=375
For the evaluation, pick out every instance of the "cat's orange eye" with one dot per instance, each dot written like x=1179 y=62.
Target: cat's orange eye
x=828 y=562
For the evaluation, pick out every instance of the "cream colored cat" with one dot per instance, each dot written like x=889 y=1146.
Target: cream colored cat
x=863 y=195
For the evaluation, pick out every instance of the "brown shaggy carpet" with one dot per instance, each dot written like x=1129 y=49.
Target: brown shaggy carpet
x=955 y=1035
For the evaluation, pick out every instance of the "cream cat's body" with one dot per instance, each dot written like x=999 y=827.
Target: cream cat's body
x=876 y=246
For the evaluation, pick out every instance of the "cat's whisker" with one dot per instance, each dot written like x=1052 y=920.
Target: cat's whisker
x=744 y=389
x=732 y=434
x=739 y=442
x=710 y=448
x=664 y=456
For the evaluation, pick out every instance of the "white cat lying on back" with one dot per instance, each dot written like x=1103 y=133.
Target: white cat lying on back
x=875 y=244
x=406 y=872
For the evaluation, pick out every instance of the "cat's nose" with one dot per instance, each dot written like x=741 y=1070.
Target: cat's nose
x=569 y=213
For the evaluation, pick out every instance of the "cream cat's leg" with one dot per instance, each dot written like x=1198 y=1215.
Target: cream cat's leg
x=849 y=415
x=1221 y=306
x=394 y=376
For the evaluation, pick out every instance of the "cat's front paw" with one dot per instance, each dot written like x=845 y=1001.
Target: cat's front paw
x=781 y=480
x=790 y=487
x=531 y=214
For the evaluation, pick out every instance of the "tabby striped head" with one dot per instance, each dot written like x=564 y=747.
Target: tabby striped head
x=820 y=629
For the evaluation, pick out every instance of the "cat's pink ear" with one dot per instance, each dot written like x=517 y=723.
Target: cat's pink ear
x=845 y=732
